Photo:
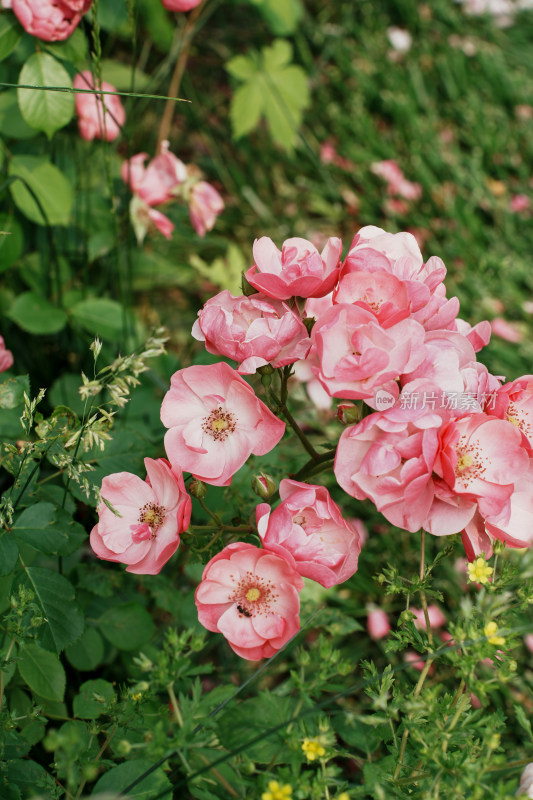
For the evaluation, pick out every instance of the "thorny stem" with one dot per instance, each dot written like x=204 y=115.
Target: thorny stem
x=177 y=75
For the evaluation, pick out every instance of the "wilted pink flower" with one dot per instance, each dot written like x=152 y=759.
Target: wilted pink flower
x=329 y=155
x=180 y=5
x=506 y=330
x=205 y=204
x=50 y=20
x=519 y=202
x=143 y=217
x=377 y=623
x=145 y=532
x=297 y=270
x=436 y=617
x=397 y=183
x=254 y=331
x=389 y=458
x=415 y=660
x=159 y=181
x=250 y=596
x=528 y=641
x=6 y=356
x=92 y=122
x=357 y=356
x=308 y=530
x=215 y=422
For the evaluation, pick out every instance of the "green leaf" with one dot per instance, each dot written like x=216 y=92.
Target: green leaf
x=43 y=672
x=241 y=67
x=119 y=778
x=30 y=778
x=12 y=124
x=12 y=391
x=10 y=33
x=94 y=699
x=276 y=89
x=48 y=184
x=38 y=527
x=87 y=652
x=35 y=314
x=128 y=626
x=43 y=109
x=9 y=554
x=226 y=272
x=282 y=16
x=64 y=618
x=10 y=240
x=73 y=49
x=252 y=717
x=119 y=75
x=100 y=316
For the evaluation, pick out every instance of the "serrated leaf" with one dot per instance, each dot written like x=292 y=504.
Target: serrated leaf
x=87 y=652
x=276 y=89
x=43 y=109
x=246 y=107
x=128 y=626
x=94 y=699
x=241 y=67
x=119 y=778
x=47 y=183
x=9 y=554
x=55 y=594
x=100 y=316
x=35 y=314
x=38 y=527
x=43 y=672
x=12 y=391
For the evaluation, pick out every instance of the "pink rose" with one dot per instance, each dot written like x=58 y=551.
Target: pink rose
x=151 y=515
x=205 y=204
x=480 y=459
x=377 y=624
x=514 y=403
x=308 y=530
x=298 y=270
x=389 y=458
x=6 y=356
x=254 y=331
x=378 y=292
x=50 y=20
x=399 y=254
x=215 y=422
x=92 y=122
x=158 y=182
x=304 y=372
x=180 y=5
x=357 y=356
x=519 y=202
x=250 y=596
x=516 y=529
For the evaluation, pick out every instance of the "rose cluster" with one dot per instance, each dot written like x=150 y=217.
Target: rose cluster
x=443 y=445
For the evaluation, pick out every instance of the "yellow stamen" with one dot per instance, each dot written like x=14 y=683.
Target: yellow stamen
x=253 y=594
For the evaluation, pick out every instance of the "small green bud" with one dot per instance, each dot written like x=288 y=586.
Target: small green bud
x=267 y=369
x=348 y=413
x=197 y=489
x=407 y=616
x=498 y=546
x=123 y=748
x=264 y=485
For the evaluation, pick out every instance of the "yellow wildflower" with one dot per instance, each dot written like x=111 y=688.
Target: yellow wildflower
x=491 y=632
x=479 y=571
x=277 y=792
x=313 y=749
